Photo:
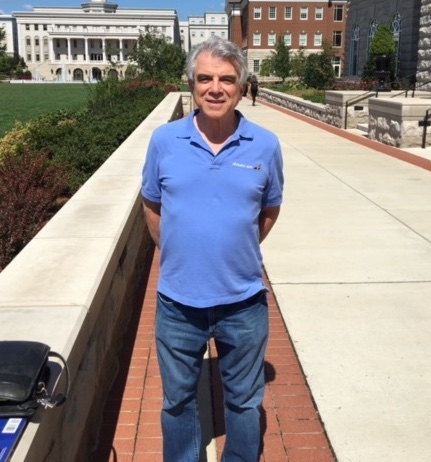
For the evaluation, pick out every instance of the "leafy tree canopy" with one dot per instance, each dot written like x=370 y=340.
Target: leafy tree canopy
x=383 y=42
x=280 y=59
x=158 y=59
x=319 y=72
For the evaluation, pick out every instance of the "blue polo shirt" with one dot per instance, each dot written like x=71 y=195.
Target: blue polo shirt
x=209 y=234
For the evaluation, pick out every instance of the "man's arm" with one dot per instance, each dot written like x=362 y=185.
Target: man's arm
x=267 y=218
x=152 y=212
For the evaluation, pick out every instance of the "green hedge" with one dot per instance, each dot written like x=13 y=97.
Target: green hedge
x=43 y=162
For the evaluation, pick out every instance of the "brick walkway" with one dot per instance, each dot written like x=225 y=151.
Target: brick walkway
x=131 y=430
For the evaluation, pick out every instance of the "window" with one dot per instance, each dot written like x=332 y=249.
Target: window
x=223 y=34
x=256 y=39
x=36 y=42
x=45 y=27
x=45 y=41
x=337 y=38
x=272 y=12
x=28 y=41
x=288 y=12
x=37 y=57
x=45 y=57
x=318 y=13
x=288 y=39
x=302 y=39
x=27 y=27
x=318 y=39
x=28 y=57
x=58 y=43
x=212 y=20
x=223 y=20
x=58 y=56
x=75 y=44
x=338 y=13
x=354 y=55
x=36 y=27
x=257 y=12
x=271 y=39
x=303 y=15
x=256 y=66
x=336 y=65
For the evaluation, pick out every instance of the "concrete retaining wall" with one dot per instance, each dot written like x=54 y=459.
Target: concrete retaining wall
x=74 y=287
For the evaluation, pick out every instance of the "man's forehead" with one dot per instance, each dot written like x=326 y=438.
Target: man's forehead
x=209 y=64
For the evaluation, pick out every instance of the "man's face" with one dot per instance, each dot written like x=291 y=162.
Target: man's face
x=215 y=88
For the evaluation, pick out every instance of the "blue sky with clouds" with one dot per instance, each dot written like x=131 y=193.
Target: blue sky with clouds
x=185 y=8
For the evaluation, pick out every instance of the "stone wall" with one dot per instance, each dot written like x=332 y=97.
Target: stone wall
x=74 y=287
x=398 y=122
x=424 y=52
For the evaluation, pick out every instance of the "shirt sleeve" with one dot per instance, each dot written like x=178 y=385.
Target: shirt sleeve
x=273 y=195
x=151 y=187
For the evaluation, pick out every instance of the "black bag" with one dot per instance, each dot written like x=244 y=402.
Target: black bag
x=24 y=375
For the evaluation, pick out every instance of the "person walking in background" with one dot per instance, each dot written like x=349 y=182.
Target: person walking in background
x=254 y=88
x=212 y=189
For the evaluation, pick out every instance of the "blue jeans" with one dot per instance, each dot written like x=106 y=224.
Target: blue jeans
x=240 y=331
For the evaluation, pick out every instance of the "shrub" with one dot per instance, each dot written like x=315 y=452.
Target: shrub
x=30 y=187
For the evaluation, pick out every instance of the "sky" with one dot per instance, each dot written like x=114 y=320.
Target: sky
x=185 y=8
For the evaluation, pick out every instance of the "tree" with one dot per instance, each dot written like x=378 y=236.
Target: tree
x=298 y=62
x=12 y=65
x=157 y=58
x=2 y=38
x=382 y=44
x=319 y=72
x=266 y=68
x=280 y=59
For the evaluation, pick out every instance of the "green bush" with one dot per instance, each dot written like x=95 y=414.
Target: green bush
x=30 y=189
x=52 y=156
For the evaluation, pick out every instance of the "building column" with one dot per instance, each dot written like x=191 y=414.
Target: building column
x=51 y=49
x=120 y=41
x=104 y=50
x=87 y=57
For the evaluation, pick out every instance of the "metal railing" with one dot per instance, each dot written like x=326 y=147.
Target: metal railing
x=424 y=133
x=357 y=99
x=369 y=94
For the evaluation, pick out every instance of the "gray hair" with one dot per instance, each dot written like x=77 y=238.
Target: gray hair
x=220 y=48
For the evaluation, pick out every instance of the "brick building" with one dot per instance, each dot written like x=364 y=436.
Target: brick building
x=304 y=24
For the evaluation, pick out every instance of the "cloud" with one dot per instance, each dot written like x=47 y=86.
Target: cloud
x=27 y=6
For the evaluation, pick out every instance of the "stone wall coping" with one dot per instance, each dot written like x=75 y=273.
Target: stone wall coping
x=400 y=107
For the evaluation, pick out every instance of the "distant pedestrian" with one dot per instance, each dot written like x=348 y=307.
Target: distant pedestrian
x=254 y=88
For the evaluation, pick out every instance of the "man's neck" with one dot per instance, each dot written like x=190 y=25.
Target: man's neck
x=216 y=131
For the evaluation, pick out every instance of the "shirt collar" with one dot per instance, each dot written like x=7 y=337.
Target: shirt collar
x=190 y=132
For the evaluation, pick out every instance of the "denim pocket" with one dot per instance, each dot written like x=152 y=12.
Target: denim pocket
x=165 y=300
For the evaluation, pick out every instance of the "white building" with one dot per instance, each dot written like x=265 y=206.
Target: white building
x=203 y=27
x=8 y=24
x=86 y=43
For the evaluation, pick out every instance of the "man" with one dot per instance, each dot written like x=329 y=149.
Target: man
x=254 y=88
x=212 y=188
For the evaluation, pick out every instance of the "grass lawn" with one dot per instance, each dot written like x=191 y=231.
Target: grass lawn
x=23 y=102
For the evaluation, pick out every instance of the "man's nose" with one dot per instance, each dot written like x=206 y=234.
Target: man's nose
x=215 y=86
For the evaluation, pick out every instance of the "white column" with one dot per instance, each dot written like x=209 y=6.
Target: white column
x=68 y=49
x=51 y=49
x=87 y=57
x=104 y=50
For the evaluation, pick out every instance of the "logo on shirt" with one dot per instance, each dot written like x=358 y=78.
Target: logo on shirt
x=249 y=167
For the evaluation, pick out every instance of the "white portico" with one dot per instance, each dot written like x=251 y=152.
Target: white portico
x=86 y=43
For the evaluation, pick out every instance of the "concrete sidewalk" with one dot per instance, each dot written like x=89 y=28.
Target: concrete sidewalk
x=350 y=265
